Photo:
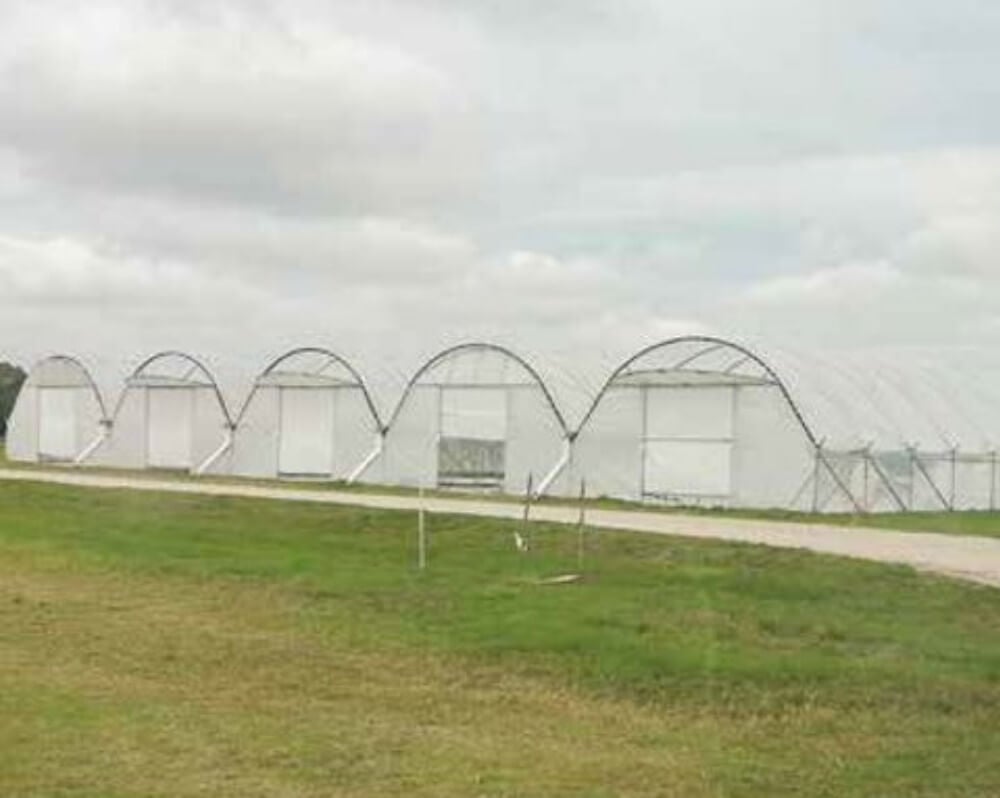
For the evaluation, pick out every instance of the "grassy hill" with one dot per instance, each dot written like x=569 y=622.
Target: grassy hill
x=155 y=644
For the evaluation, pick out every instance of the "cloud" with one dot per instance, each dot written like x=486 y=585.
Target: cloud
x=585 y=178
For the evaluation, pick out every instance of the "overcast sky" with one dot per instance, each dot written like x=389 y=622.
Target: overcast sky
x=570 y=175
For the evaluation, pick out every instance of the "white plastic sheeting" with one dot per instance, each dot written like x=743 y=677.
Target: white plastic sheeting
x=309 y=414
x=170 y=415
x=169 y=422
x=474 y=415
x=693 y=420
x=58 y=415
x=305 y=432
x=58 y=436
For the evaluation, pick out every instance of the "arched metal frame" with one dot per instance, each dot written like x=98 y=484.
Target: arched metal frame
x=195 y=363
x=475 y=346
x=334 y=358
x=714 y=344
x=78 y=364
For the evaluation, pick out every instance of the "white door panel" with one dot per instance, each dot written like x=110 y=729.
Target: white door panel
x=688 y=468
x=306 y=441
x=689 y=412
x=474 y=413
x=169 y=427
x=57 y=423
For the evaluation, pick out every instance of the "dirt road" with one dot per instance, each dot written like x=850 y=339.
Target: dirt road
x=974 y=559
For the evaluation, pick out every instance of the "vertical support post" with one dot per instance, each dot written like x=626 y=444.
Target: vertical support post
x=913 y=480
x=421 y=532
x=993 y=480
x=954 y=476
x=581 y=524
x=817 y=452
x=644 y=392
x=865 y=496
x=526 y=518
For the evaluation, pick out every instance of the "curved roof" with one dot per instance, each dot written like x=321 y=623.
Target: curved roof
x=312 y=366
x=478 y=364
x=886 y=400
x=173 y=369
x=65 y=371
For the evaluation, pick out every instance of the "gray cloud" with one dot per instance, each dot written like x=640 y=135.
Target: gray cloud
x=572 y=177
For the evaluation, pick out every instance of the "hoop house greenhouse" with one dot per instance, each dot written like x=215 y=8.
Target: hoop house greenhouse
x=705 y=421
x=171 y=415
x=59 y=415
x=474 y=416
x=308 y=415
x=691 y=421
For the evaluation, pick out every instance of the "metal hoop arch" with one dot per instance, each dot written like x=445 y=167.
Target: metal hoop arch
x=485 y=346
x=174 y=353
x=714 y=343
x=78 y=364
x=335 y=358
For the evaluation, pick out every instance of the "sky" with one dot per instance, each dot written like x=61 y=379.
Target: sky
x=572 y=177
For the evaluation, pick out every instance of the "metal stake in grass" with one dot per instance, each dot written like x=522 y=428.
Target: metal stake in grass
x=521 y=540
x=421 y=532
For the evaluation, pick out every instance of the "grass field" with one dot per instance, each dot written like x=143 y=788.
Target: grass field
x=164 y=645
x=978 y=523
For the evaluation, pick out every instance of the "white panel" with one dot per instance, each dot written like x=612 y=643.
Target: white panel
x=306 y=445
x=689 y=412
x=169 y=427
x=688 y=468
x=476 y=413
x=57 y=434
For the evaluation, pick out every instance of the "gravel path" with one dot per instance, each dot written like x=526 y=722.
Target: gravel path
x=975 y=559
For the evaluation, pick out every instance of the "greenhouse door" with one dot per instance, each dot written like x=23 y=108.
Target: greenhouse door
x=688 y=444
x=306 y=436
x=472 y=450
x=57 y=434
x=169 y=423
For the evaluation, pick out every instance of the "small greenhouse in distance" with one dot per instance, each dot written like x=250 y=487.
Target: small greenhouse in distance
x=59 y=416
x=171 y=415
x=475 y=416
x=705 y=421
x=308 y=415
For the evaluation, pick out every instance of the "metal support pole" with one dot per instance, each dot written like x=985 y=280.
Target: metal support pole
x=954 y=475
x=526 y=518
x=421 y=533
x=865 y=498
x=816 y=459
x=993 y=480
x=581 y=524
x=930 y=481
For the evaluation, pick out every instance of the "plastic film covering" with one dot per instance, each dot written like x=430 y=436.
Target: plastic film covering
x=476 y=415
x=171 y=414
x=875 y=431
x=309 y=414
x=58 y=415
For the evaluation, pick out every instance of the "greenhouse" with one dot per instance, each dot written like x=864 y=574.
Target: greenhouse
x=310 y=415
x=59 y=416
x=708 y=422
x=171 y=415
x=692 y=421
x=476 y=416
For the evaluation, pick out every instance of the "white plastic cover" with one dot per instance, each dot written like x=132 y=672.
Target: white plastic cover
x=57 y=423
x=169 y=427
x=475 y=413
x=688 y=469
x=306 y=437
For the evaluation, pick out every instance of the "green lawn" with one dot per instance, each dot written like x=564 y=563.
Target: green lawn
x=167 y=645
x=952 y=523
